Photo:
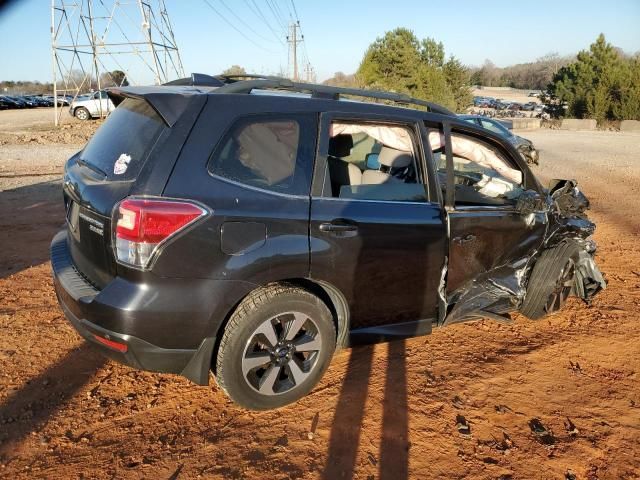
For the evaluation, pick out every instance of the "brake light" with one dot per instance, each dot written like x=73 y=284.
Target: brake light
x=142 y=225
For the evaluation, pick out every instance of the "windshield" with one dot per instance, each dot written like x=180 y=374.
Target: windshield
x=121 y=145
x=495 y=127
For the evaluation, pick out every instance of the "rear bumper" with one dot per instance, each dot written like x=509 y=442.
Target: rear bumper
x=85 y=306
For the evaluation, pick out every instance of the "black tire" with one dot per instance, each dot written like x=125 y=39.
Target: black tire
x=551 y=280
x=276 y=306
x=82 y=113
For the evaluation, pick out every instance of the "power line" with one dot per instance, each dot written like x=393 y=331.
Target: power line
x=236 y=28
x=279 y=11
x=295 y=11
x=279 y=21
x=261 y=16
x=244 y=23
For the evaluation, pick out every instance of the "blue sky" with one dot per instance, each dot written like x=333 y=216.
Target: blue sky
x=338 y=32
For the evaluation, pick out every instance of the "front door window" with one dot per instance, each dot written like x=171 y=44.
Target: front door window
x=483 y=175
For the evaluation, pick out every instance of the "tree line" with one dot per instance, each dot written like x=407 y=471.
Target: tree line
x=602 y=82
x=75 y=79
x=528 y=76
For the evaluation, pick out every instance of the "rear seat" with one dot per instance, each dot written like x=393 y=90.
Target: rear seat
x=342 y=172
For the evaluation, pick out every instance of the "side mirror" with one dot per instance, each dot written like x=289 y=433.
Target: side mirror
x=372 y=162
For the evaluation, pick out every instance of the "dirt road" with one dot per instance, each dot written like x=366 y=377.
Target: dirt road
x=387 y=411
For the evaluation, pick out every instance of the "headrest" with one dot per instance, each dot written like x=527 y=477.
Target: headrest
x=340 y=145
x=394 y=158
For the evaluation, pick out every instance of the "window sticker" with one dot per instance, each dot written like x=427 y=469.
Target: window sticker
x=121 y=164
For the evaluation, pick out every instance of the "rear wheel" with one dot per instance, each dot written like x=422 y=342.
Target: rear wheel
x=275 y=348
x=82 y=113
x=551 y=280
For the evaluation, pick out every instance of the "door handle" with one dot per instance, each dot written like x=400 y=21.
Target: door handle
x=464 y=239
x=338 y=227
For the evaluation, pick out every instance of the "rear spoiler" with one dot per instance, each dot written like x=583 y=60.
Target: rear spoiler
x=170 y=102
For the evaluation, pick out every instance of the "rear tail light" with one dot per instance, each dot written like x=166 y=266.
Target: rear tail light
x=143 y=224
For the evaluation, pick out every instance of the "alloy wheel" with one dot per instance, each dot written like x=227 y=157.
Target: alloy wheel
x=562 y=289
x=281 y=353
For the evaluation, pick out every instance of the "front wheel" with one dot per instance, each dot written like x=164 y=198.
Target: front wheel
x=551 y=280
x=82 y=113
x=275 y=347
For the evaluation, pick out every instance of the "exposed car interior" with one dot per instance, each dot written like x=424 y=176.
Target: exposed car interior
x=482 y=175
x=372 y=162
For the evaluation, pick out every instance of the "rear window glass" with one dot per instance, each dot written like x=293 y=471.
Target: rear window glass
x=121 y=145
x=266 y=153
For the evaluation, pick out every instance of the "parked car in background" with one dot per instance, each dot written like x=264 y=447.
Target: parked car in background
x=12 y=103
x=22 y=102
x=30 y=102
x=39 y=101
x=4 y=104
x=500 y=105
x=94 y=105
x=63 y=100
x=529 y=107
x=482 y=102
x=523 y=145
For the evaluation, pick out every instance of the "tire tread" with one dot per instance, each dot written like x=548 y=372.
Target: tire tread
x=252 y=302
x=543 y=277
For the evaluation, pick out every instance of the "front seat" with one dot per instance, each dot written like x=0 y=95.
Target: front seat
x=392 y=159
x=340 y=171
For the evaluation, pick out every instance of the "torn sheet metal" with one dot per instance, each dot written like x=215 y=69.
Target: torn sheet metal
x=502 y=289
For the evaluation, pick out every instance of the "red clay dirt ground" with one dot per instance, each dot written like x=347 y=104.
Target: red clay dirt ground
x=381 y=412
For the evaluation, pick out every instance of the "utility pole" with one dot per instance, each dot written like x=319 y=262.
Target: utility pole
x=293 y=41
x=309 y=73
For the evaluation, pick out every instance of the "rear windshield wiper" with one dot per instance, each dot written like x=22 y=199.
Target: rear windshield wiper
x=84 y=163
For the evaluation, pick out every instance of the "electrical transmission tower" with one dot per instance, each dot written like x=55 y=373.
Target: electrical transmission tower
x=101 y=43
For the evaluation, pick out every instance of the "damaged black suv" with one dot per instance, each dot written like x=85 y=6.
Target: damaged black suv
x=248 y=227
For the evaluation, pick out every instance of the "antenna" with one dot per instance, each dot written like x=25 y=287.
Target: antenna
x=100 y=43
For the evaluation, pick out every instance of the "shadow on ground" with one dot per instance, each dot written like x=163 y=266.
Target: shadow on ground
x=29 y=218
x=393 y=459
x=29 y=407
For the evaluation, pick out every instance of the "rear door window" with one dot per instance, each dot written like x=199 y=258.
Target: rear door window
x=121 y=145
x=270 y=152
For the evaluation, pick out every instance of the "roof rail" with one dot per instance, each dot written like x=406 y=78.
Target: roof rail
x=237 y=78
x=321 y=91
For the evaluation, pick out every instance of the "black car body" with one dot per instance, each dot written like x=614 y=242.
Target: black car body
x=40 y=101
x=12 y=102
x=176 y=240
x=523 y=145
x=23 y=102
